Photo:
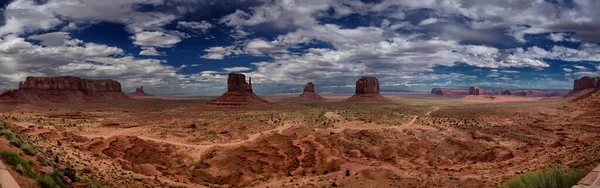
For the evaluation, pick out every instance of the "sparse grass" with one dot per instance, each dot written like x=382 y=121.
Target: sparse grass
x=14 y=159
x=16 y=141
x=554 y=178
x=28 y=149
x=46 y=181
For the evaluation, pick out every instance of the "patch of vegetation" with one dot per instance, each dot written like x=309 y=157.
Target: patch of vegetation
x=15 y=141
x=14 y=159
x=554 y=178
x=28 y=149
x=46 y=181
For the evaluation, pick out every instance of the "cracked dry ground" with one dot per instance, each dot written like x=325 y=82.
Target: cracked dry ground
x=449 y=144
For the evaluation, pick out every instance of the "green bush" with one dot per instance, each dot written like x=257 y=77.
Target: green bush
x=14 y=159
x=554 y=178
x=47 y=181
x=16 y=141
x=28 y=149
x=7 y=132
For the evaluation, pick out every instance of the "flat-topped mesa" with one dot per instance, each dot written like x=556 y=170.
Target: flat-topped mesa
x=474 y=90
x=367 y=90
x=139 y=92
x=64 y=89
x=586 y=83
x=506 y=92
x=239 y=92
x=70 y=83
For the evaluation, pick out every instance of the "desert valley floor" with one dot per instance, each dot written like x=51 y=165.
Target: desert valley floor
x=412 y=141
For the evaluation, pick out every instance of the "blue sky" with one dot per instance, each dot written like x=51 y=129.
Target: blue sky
x=189 y=46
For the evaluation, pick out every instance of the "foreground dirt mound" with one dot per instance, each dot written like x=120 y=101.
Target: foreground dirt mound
x=141 y=156
x=65 y=89
x=239 y=92
x=139 y=92
x=309 y=153
x=367 y=91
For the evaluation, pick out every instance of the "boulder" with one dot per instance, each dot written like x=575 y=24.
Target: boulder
x=63 y=89
x=139 y=92
x=239 y=92
x=474 y=90
x=586 y=83
x=367 y=91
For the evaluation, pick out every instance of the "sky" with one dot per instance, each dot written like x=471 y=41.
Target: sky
x=189 y=46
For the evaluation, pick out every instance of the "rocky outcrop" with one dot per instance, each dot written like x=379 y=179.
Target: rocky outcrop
x=367 y=91
x=449 y=92
x=65 y=89
x=474 y=90
x=139 y=92
x=586 y=83
x=239 y=92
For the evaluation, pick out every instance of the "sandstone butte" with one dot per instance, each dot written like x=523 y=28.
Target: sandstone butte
x=239 y=92
x=308 y=95
x=139 y=92
x=474 y=90
x=367 y=91
x=63 y=89
x=586 y=83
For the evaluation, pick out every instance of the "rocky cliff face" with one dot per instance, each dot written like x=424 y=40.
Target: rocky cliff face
x=367 y=85
x=367 y=91
x=239 y=92
x=309 y=87
x=586 y=83
x=474 y=90
x=64 y=89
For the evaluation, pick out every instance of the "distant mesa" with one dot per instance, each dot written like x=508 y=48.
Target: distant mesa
x=474 y=90
x=449 y=92
x=139 y=92
x=506 y=92
x=367 y=91
x=239 y=92
x=65 y=89
x=308 y=95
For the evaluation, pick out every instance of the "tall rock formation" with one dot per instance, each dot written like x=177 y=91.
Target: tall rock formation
x=65 y=89
x=474 y=90
x=586 y=83
x=307 y=95
x=367 y=91
x=239 y=92
x=139 y=92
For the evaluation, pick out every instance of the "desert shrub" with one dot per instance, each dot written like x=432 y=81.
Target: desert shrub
x=14 y=159
x=7 y=132
x=554 y=178
x=46 y=181
x=28 y=149
x=16 y=141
